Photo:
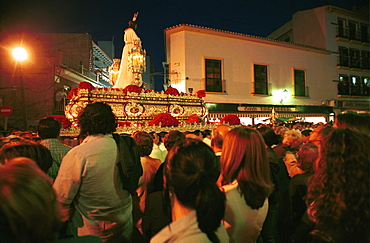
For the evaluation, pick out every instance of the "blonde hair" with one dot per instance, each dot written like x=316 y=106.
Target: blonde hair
x=292 y=138
x=29 y=208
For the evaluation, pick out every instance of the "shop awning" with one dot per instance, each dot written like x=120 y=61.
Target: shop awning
x=255 y=115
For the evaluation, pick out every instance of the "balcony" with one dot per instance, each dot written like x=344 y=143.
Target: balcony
x=345 y=89
x=341 y=34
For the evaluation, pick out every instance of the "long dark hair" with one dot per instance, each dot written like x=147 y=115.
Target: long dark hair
x=191 y=173
x=244 y=158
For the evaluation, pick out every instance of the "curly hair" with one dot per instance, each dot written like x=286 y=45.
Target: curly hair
x=306 y=157
x=173 y=137
x=191 y=172
x=293 y=139
x=97 y=118
x=144 y=141
x=338 y=193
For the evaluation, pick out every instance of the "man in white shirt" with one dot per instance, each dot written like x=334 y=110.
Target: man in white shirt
x=89 y=182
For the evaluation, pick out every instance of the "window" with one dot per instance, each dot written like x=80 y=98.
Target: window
x=355 y=85
x=341 y=31
x=343 y=57
x=214 y=82
x=299 y=82
x=354 y=58
x=260 y=79
x=343 y=85
x=366 y=86
x=364 y=33
x=353 y=27
x=365 y=60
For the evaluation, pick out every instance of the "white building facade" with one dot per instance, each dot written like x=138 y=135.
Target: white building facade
x=248 y=75
x=345 y=34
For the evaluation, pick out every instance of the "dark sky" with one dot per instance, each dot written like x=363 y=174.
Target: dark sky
x=106 y=19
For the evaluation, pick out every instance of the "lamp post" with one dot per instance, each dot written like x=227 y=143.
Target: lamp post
x=20 y=54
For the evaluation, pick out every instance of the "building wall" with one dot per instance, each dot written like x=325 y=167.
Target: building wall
x=188 y=49
x=43 y=73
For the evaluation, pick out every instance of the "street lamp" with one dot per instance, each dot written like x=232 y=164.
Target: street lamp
x=20 y=54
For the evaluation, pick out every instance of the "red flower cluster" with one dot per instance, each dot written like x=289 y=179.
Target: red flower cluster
x=124 y=124
x=201 y=93
x=165 y=119
x=86 y=85
x=132 y=88
x=231 y=119
x=64 y=122
x=193 y=119
x=172 y=91
x=72 y=93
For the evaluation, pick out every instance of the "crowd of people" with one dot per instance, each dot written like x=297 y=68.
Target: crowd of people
x=293 y=182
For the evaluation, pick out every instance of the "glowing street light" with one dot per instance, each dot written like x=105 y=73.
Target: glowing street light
x=20 y=54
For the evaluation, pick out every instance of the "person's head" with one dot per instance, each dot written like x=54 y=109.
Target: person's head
x=306 y=157
x=338 y=193
x=353 y=120
x=206 y=133
x=37 y=152
x=155 y=137
x=306 y=135
x=268 y=135
x=280 y=131
x=48 y=127
x=173 y=137
x=132 y=24
x=316 y=135
x=191 y=172
x=29 y=210
x=244 y=158
x=144 y=141
x=218 y=135
x=97 y=118
x=292 y=138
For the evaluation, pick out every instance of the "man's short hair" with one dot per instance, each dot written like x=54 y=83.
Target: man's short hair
x=97 y=118
x=48 y=127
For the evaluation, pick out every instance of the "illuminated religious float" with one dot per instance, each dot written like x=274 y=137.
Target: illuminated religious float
x=135 y=107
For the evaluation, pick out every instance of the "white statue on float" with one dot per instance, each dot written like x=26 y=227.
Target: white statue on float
x=133 y=59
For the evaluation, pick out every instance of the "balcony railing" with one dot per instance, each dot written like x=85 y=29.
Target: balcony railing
x=344 y=88
x=342 y=32
x=352 y=35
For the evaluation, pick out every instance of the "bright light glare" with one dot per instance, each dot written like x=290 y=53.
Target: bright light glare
x=20 y=54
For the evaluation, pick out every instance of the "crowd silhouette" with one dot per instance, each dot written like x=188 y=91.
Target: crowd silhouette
x=274 y=183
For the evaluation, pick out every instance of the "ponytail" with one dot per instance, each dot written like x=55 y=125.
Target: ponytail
x=210 y=208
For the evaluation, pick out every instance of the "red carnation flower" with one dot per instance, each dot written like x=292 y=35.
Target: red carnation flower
x=165 y=119
x=193 y=119
x=86 y=85
x=132 y=88
x=231 y=119
x=201 y=93
x=123 y=124
x=172 y=91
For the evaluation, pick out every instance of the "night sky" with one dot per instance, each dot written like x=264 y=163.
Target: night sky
x=106 y=19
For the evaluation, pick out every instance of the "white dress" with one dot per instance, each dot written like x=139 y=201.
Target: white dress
x=125 y=77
